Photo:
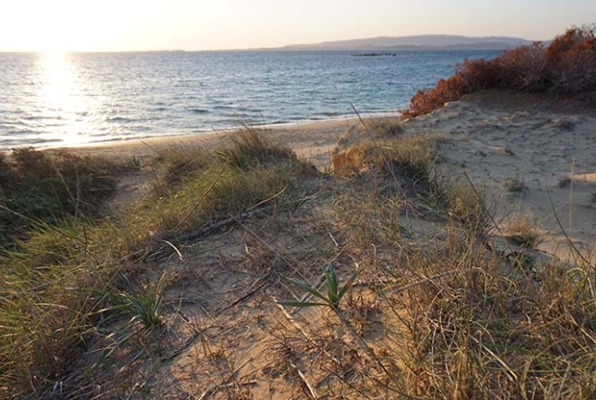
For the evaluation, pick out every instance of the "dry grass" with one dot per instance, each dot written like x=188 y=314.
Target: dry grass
x=386 y=128
x=522 y=229
x=61 y=282
x=514 y=184
x=435 y=311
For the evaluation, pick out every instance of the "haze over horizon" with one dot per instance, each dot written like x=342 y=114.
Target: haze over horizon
x=138 y=25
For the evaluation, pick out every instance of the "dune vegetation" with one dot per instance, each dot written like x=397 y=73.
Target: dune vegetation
x=567 y=65
x=69 y=269
x=91 y=304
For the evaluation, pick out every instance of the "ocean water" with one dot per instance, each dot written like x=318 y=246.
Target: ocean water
x=49 y=100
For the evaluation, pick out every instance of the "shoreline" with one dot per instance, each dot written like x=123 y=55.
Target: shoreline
x=311 y=140
x=194 y=136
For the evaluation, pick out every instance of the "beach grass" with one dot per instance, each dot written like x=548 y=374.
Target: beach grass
x=68 y=269
x=435 y=314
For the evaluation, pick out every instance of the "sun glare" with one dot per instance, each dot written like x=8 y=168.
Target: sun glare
x=61 y=99
x=73 y=25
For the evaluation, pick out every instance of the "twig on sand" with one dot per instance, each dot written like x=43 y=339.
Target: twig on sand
x=225 y=382
x=302 y=331
x=309 y=387
x=247 y=295
x=189 y=341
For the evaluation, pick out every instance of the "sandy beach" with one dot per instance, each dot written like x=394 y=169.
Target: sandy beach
x=313 y=141
x=545 y=146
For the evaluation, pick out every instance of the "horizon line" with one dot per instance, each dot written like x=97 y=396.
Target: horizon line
x=288 y=47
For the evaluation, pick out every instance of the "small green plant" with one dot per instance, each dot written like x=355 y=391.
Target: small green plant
x=142 y=306
x=334 y=294
x=133 y=163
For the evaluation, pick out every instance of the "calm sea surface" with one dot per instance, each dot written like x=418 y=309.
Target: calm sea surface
x=68 y=99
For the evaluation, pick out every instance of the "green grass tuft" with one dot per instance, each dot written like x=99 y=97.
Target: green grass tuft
x=39 y=188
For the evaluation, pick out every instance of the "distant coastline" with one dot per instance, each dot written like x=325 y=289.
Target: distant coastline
x=376 y=44
x=418 y=42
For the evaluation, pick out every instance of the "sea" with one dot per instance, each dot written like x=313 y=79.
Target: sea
x=71 y=99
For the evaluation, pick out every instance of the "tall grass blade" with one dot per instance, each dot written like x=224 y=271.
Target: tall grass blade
x=309 y=289
x=348 y=285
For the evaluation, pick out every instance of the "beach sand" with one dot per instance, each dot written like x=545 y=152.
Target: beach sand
x=313 y=141
x=545 y=145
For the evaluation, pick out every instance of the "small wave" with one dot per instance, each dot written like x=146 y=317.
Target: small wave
x=16 y=143
x=199 y=111
x=33 y=117
x=22 y=132
x=331 y=114
x=119 y=119
x=250 y=110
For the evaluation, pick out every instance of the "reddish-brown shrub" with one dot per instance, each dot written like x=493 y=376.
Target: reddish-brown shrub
x=523 y=68
x=566 y=65
x=572 y=60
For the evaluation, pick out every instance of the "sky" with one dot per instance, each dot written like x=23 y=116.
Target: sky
x=129 y=25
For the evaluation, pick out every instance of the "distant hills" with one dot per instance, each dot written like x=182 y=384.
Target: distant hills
x=419 y=42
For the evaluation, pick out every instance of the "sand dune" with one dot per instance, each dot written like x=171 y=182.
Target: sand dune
x=547 y=147
x=534 y=155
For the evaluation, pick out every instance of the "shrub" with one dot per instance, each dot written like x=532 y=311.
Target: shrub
x=566 y=65
x=514 y=185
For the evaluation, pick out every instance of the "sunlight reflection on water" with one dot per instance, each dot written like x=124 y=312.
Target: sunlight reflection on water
x=61 y=99
x=58 y=99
